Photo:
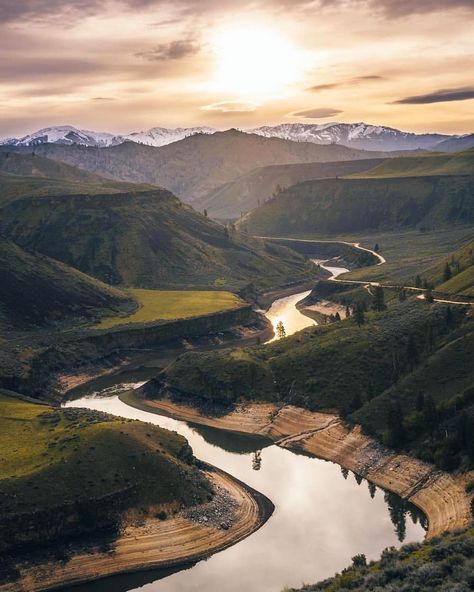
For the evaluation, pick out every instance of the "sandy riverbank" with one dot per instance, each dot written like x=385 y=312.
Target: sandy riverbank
x=441 y=496
x=155 y=544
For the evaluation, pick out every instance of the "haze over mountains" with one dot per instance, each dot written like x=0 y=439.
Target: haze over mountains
x=356 y=135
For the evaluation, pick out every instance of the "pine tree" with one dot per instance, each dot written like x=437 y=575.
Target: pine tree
x=376 y=247
x=378 y=302
x=359 y=314
x=348 y=311
x=429 y=295
x=447 y=274
x=205 y=213
x=418 y=282
x=396 y=431
x=280 y=329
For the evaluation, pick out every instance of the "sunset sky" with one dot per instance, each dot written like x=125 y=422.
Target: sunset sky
x=129 y=65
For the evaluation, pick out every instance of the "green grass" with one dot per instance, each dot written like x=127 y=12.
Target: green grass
x=51 y=458
x=165 y=305
x=409 y=253
x=458 y=163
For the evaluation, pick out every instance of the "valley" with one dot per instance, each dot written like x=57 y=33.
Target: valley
x=326 y=331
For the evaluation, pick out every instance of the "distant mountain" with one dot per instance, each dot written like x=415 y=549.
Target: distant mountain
x=64 y=134
x=456 y=143
x=67 y=134
x=160 y=136
x=351 y=205
x=356 y=135
x=198 y=164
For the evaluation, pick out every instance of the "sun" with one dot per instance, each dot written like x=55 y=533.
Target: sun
x=255 y=61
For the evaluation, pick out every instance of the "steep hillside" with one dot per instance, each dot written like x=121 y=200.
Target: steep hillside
x=194 y=166
x=455 y=144
x=455 y=274
x=250 y=190
x=354 y=205
x=38 y=291
x=146 y=239
x=458 y=163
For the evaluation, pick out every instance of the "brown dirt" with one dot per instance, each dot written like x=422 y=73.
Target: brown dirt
x=155 y=544
x=441 y=496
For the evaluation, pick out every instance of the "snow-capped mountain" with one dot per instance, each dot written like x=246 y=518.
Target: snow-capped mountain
x=160 y=136
x=356 y=135
x=64 y=134
x=67 y=134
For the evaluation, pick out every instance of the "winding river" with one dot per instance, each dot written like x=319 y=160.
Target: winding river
x=323 y=516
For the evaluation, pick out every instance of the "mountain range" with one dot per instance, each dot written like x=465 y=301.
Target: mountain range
x=355 y=135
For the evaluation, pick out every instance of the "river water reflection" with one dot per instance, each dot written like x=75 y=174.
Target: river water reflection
x=323 y=515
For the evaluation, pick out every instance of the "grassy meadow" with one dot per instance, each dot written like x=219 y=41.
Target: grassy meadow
x=166 y=305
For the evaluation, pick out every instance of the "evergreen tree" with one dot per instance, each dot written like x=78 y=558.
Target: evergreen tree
x=420 y=401
x=348 y=311
x=205 y=213
x=447 y=274
x=280 y=329
x=396 y=431
x=429 y=296
x=376 y=247
x=359 y=314
x=337 y=317
x=378 y=302
x=412 y=352
x=418 y=282
x=402 y=294
x=448 y=316
x=430 y=414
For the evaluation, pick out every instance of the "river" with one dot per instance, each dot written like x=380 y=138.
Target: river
x=323 y=515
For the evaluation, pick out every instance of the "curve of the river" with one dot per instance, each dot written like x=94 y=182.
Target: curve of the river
x=323 y=515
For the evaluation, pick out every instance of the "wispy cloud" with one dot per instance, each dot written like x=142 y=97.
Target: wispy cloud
x=356 y=80
x=439 y=96
x=231 y=107
x=319 y=113
x=174 y=50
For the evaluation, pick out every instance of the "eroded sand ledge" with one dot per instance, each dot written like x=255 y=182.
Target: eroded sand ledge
x=157 y=544
x=441 y=496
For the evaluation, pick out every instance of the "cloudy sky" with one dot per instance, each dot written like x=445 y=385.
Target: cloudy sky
x=127 y=65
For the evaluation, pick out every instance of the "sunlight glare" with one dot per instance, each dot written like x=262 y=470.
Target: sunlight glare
x=255 y=61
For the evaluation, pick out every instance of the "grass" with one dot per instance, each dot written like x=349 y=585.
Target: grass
x=165 y=305
x=458 y=163
x=51 y=458
x=409 y=253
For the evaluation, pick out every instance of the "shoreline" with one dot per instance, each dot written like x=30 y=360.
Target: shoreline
x=157 y=544
x=440 y=496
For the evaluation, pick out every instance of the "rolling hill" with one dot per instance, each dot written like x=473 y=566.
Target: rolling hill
x=457 y=163
x=247 y=191
x=455 y=274
x=37 y=291
x=337 y=206
x=197 y=164
x=143 y=239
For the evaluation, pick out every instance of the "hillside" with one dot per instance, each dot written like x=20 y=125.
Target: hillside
x=455 y=144
x=195 y=165
x=75 y=471
x=403 y=364
x=354 y=205
x=458 y=163
x=250 y=190
x=144 y=239
x=38 y=291
x=455 y=274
